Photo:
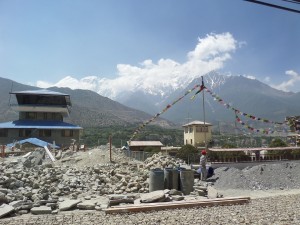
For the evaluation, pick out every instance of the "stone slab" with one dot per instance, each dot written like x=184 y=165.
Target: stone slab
x=16 y=204
x=68 y=204
x=41 y=210
x=5 y=209
x=153 y=196
x=87 y=205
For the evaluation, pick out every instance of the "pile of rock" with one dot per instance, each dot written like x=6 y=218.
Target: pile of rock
x=162 y=161
x=280 y=175
x=35 y=184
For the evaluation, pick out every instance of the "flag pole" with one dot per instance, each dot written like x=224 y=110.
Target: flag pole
x=203 y=106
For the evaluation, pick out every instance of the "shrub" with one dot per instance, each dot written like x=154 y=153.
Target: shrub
x=185 y=151
x=277 y=142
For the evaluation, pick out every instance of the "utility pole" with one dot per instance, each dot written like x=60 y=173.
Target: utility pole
x=203 y=105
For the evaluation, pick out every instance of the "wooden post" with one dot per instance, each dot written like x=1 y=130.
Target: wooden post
x=3 y=151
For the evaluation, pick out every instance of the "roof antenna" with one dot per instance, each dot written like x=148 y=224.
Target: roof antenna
x=12 y=84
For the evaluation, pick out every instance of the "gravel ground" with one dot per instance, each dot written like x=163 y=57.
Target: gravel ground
x=276 y=176
x=273 y=210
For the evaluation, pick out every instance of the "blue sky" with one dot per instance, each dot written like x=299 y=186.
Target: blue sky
x=46 y=41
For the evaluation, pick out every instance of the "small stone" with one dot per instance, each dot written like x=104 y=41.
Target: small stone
x=41 y=210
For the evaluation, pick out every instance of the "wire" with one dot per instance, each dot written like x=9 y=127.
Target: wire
x=276 y=6
x=292 y=1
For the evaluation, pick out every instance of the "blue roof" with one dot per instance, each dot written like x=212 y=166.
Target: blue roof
x=39 y=92
x=34 y=141
x=38 y=124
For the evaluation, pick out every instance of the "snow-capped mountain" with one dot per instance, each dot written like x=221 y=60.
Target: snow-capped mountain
x=102 y=86
x=248 y=95
x=137 y=93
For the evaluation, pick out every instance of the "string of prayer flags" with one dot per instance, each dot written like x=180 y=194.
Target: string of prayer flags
x=202 y=87
x=218 y=99
x=264 y=131
x=165 y=109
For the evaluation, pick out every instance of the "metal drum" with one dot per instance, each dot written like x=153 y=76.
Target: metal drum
x=171 y=178
x=186 y=181
x=156 y=180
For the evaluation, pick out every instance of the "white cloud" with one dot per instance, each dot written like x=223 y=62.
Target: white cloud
x=250 y=77
x=267 y=79
x=43 y=84
x=210 y=54
x=287 y=85
x=84 y=83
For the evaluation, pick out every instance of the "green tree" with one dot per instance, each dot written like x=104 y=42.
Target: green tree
x=186 y=151
x=228 y=155
x=275 y=143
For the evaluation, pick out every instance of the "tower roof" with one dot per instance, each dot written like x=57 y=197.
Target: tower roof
x=197 y=122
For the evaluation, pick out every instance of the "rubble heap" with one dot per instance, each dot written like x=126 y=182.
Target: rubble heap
x=162 y=161
x=89 y=180
x=280 y=175
x=34 y=183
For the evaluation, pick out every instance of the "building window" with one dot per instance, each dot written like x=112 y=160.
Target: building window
x=45 y=133
x=201 y=129
x=191 y=141
x=191 y=130
x=30 y=115
x=186 y=130
x=45 y=116
x=3 y=132
x=186 y=142
x=25 y=132
x=67 y=133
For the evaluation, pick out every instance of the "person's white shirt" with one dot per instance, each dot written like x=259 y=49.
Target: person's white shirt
x=203 y=159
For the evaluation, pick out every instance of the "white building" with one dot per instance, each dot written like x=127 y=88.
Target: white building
x=197 y=133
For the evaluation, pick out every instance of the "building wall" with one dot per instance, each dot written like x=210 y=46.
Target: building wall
x=194 y=135
x=56 y=135
x=142 y=148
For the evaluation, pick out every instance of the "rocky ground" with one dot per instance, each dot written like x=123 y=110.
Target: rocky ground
x=75 y=189
x=275 y=210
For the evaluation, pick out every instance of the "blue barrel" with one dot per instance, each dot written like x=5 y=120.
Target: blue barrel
x=171 y=178
x=186 y=181
x=156 y=180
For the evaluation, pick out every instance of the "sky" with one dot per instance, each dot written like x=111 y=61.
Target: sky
x=119 y=42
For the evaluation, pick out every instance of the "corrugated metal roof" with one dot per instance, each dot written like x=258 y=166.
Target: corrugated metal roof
x=38 y=124
x=39 y=92
x=34 y=141
x=196 y=122
x=145 y=143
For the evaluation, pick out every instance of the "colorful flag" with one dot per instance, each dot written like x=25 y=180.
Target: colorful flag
x=202 y=87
